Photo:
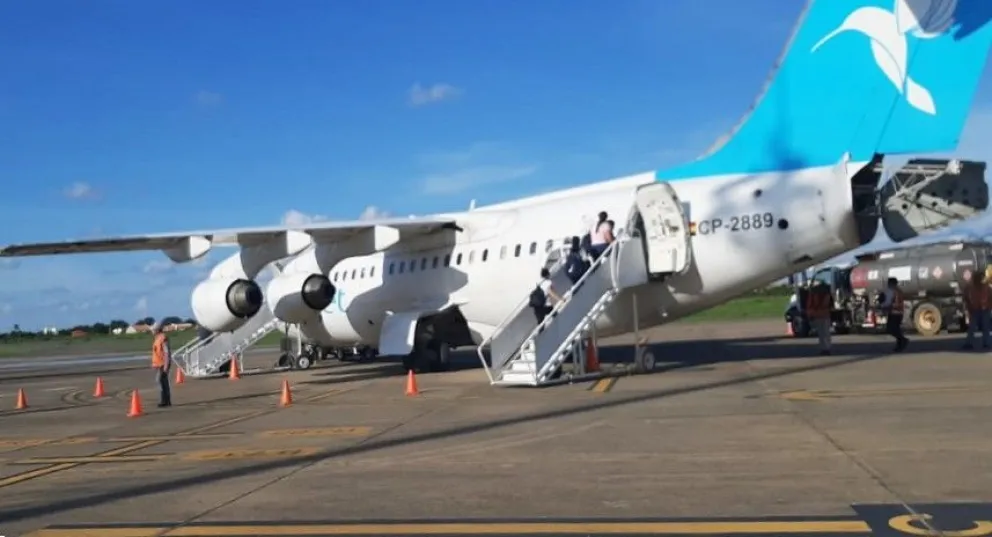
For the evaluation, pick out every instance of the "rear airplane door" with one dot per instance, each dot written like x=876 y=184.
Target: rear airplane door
x=666 y=229
x=928 y=194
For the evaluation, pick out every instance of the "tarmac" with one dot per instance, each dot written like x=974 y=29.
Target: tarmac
x=740 y=430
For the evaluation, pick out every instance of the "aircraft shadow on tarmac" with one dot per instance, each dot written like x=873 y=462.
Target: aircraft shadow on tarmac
x=692 y=352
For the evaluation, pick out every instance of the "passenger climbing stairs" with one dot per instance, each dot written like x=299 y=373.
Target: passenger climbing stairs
x=525 y=353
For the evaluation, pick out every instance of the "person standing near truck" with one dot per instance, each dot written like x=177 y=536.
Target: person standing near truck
x=819 y=302
x=978 y=300
x=894 y=307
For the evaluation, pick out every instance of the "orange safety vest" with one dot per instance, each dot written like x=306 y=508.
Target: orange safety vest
x=818 y=304
x=158 y=350
x=978 y=297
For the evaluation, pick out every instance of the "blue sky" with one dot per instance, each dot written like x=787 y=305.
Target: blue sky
x=121 y=117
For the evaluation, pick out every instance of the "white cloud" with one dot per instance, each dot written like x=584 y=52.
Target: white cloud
x=158 y=267
x=79 y=190
x=141 y=306
x=208 y=98
x=297 y=218
x=373 y=213
x=481 y=164
x=420 y=95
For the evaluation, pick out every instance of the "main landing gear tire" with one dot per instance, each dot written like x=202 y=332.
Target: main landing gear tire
x=303 y=362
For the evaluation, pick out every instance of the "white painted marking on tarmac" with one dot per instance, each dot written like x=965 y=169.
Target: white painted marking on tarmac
x=61 y=389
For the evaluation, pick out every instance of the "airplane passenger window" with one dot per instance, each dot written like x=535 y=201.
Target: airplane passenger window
x=471 y=256
x=434 y=263
x=353 y=271
x=549 y=245
x=485 y=255
x=363 y=272
x=533 y=248
x=516 y=251
x=344 y=275
x=402 y=266
x=502 y=252
x=423 y=263
x=371 y=272
x=335 y=276
x=413 y=265
x=391 y=267
x=447 y=260
x=458 y=260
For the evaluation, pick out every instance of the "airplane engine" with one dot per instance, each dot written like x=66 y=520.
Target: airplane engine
x=295 y=298
x=225 y=304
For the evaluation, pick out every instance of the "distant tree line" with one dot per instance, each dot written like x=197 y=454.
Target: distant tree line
x=103 y=328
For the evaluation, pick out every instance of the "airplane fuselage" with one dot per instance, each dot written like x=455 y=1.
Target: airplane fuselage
x=751 y=230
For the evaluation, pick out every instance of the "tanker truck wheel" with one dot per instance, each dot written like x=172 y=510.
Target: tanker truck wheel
x=927 y=319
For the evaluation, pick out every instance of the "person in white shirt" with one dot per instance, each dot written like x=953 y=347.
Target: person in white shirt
x=540 y=297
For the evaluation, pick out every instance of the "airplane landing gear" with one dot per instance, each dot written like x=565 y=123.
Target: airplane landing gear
x=431 y=356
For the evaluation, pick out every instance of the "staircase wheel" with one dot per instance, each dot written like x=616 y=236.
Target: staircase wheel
x=645 y=361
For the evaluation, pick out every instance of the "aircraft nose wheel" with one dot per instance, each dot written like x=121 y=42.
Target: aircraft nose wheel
x=303 y=362
x=644 y=361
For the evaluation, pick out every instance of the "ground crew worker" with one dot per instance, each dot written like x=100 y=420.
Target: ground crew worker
x=894 y=307
x=978 y=300
x=818 y=306
x=162 y=362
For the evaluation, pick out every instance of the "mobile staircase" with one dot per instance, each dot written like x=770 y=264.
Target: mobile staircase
x=525 y=353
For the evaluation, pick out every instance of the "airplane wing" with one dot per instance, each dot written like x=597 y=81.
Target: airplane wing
x=319 y=231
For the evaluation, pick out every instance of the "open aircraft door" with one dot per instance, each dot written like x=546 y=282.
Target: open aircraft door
x=929 y=194
x=666 y=229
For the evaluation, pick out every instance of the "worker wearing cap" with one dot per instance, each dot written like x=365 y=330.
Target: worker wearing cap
x=978 y=299
x=161 y=362
x=818 y=306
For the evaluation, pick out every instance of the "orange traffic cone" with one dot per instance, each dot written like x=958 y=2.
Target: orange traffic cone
x=22 y=400
x=287 y=396
x=135 y=405
x=98 y=391
x=411 y=384
x=592 y=356
x=180 y=376
x=235 y=375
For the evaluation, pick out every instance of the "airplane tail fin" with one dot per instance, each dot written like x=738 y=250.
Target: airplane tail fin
x=862 y=77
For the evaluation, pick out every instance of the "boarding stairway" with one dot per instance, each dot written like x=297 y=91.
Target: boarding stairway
x=525 y=353
x=201 y=358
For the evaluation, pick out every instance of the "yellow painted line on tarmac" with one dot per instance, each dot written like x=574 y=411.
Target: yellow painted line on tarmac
x=170 y=437
x=604 y=384
x=316 y=432
x=481 y=528
x=90 y=459
x=248 y=454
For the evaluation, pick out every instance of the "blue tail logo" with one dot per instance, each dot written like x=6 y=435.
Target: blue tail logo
x=859 y=77
x=889 y=32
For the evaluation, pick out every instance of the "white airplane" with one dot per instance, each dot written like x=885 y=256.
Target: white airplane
x=795 y=184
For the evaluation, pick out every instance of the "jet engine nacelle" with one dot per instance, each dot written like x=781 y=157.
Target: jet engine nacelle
x=295 y=298
x=225 y=304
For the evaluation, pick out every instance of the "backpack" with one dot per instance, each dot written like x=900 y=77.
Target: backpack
x=574 y=266
x=537 y=298
x=586 y=242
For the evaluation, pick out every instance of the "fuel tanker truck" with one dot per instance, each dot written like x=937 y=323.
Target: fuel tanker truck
x=932 y=277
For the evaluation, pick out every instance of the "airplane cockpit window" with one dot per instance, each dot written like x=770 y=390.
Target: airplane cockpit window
x=423 y=263
x=533 y=248
x=447 y=260
x=458 y=260
x=391 y=267
x=516 y=251
x=502 y=252
x=344 y=275
x=485 y=255
x=434 y=264
x=362 y=274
